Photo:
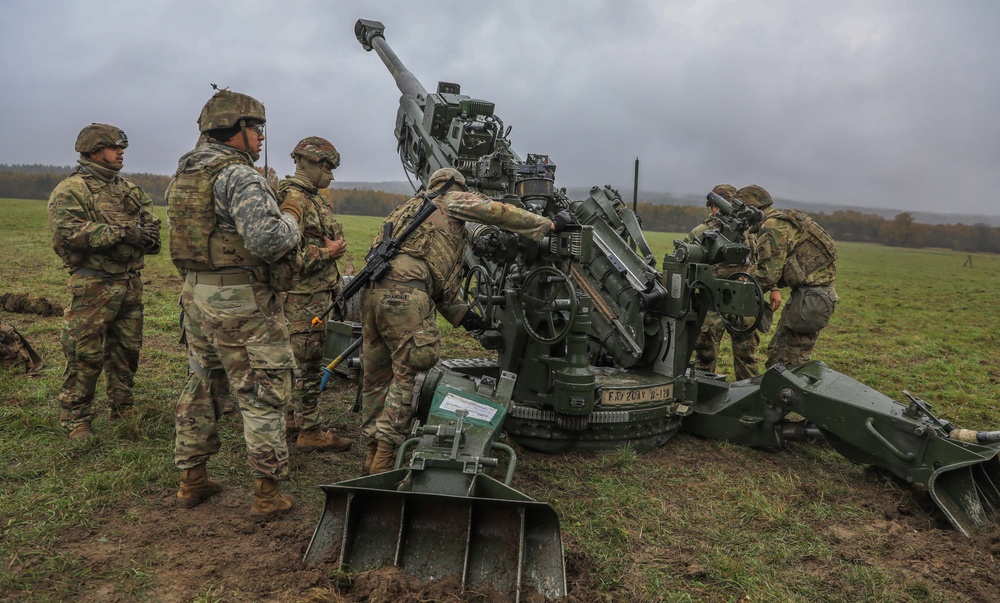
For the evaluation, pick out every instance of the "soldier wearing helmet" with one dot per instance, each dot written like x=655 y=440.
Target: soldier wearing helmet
x=713 y=329
x=237 y=251
x=793 y=251
x=322 y=245
x=399 y=312
x=103 y=226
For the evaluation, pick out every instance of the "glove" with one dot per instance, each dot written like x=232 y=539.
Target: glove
x=473 y=322
x=131 y=235
x=150 y=236
x=562 y=220
x=292 y=207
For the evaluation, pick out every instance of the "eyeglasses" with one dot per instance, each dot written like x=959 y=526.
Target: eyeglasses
x=258 y=128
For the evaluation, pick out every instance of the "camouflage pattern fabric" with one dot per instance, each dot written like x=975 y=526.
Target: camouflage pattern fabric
x=103 y=325
x=102 y=331
x=22 y=303
x=308 y=344
x=783 y=249
x=318 y=282
x=236 y=332
x=744 y=348
x=235 y=329
x=401 y=338
x=15 y=351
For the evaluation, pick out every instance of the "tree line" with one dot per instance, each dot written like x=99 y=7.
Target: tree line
x=36 y=182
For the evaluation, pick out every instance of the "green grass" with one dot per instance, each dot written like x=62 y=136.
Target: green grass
x=691 y=521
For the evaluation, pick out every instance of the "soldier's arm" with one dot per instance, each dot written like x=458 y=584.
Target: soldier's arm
x=770 y=256
x=267 y=232
x=315 y=255
x=473 y=207
x=71 y=224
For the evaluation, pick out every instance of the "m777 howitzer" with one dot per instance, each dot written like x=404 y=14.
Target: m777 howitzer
x=593 y=351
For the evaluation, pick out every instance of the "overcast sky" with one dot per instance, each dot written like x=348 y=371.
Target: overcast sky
x=892 y=103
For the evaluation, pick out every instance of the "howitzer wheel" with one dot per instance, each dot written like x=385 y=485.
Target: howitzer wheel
x=548 y=305
x=740 y=325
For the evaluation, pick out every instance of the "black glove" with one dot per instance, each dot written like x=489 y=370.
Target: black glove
x=563 y=219
x=150 y=236
x=131 y=235
x=473 y=322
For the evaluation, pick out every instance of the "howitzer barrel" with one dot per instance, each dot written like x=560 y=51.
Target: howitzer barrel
x=370 y=34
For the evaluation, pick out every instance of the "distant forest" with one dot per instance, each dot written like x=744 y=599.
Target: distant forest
x=903 y=230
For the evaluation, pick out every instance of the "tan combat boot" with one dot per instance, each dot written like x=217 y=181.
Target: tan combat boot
x=81 y=432
x=372 y=445
x=196 y=487
x=384 y=460
x=268 y=499
x=321 y=438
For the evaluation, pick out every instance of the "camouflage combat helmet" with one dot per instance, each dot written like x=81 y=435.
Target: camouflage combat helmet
x=442 y=175
x=754 y=196
x=726 y=191
x=317 y=149
x=225 y=109
x=98 y=136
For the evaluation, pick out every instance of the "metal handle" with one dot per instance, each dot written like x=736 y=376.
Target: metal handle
x=870 y=426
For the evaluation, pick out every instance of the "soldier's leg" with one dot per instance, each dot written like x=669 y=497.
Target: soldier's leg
x=200 y=404
x=411 y=334
x=707 y=348
x=308 y=345
x=745 y=355
x=260 y=373
x=122 y=344
x=93 y=306
x=376 y=362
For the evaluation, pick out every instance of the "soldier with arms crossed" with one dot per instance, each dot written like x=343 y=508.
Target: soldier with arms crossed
x=102 y=228
x=322 y=244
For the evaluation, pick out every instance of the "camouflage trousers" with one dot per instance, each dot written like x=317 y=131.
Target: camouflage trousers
x=102 y=330
x=400 y=341
x=744 y=348
x=236 y=331
x=807 y=312
x=308 y=344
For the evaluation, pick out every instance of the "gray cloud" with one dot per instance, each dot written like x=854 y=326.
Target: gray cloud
x=888 y=103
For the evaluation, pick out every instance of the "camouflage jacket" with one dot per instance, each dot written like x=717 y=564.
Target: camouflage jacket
x=87 y=211
x=434 y=257
x=246 y=205
x=793 y=251
x=319 y=271
x=722 y=270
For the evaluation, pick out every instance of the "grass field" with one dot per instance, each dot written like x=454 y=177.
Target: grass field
x=694 y=520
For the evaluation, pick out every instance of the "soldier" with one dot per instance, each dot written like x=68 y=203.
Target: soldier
x=102 y=228
x=322 y=244
x=401 y=337
x=237 y=250
x=713 y=329
x=793 y=251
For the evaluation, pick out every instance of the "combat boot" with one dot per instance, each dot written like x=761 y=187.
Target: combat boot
x=81 y=432
x=268 y=499
x=321 y=438
x=384 y=459
x=196 y=487
x=372 y=445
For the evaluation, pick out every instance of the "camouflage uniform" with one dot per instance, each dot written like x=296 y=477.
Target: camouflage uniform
x=401 y=337
x=713 y=329
x=794 y=251
x=318 y=282
x=233 y=319
x=15 y=351
x=91 y=213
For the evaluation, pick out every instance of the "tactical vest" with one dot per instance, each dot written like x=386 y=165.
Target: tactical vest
x=812 y=251
x=115 y=203
x=317 y=222
x=196 y=242
x=439 y=242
